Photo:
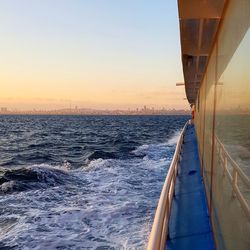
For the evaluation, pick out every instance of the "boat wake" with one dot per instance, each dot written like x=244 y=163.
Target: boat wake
x=106 y=203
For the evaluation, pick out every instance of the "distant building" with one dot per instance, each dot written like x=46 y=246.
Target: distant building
x=4 y=110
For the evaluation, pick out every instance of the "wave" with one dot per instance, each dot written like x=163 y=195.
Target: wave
x=109 y=203
x=125 y=195
x=156 y=150
x=122 y=151
x=101 y=154
x=33 y=177
x=174 y=138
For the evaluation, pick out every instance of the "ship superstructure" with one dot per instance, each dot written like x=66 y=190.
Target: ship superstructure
x=205 y=199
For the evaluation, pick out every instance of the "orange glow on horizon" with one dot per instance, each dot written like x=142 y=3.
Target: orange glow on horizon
x=60 y=58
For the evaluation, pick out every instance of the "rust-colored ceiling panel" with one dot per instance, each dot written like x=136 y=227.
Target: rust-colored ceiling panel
x=189 y=36
x=209 y=29
x=199 y=20
x=202 y=65
x=200 y=8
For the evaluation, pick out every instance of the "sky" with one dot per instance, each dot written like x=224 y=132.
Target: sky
x=108 y=54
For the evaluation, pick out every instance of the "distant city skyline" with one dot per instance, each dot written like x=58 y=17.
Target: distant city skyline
x=72 y=105
x=79 y=110
x=98 y=54
x=142 y=110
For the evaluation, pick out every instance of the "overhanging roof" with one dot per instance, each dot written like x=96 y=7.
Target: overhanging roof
x=199 y=20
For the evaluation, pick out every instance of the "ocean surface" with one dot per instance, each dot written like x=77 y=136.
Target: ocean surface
x=82 y=182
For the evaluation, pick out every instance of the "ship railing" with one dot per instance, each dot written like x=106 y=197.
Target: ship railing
x=235 y=175
x=159 y=231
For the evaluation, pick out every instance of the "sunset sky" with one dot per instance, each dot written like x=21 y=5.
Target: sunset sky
x=90 y=53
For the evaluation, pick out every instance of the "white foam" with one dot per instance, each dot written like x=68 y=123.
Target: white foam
x=40 y=167
x=112 y=206
x=7 y=186
x=174 y=138
x=97 y=163
x=141 y=150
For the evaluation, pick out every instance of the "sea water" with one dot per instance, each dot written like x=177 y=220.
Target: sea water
x=82 y=182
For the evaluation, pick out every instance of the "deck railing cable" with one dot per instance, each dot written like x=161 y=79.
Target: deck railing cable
x=158 y=235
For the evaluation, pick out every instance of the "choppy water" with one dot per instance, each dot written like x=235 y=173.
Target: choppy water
x=82 y=182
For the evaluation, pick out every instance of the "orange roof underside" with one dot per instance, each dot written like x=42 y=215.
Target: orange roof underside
x=199 y=20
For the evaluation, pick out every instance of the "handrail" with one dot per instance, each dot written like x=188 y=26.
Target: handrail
x=233 y=178
x=157 y=238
